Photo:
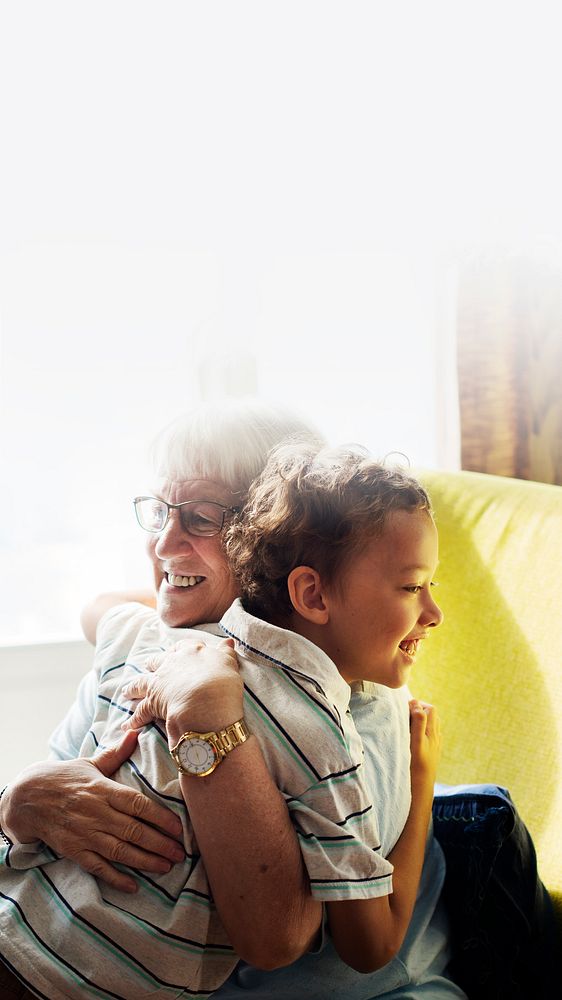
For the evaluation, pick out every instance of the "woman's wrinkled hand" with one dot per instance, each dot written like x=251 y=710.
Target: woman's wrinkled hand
x=75 y=808
x=192 y=686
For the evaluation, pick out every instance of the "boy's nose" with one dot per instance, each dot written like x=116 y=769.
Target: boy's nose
x=434 y=614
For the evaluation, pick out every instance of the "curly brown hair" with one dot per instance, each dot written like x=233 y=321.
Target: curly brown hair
x=311 y=507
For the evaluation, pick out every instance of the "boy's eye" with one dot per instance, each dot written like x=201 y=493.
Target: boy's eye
x=416 y=587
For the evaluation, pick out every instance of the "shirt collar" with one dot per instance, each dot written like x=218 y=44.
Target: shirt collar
x=176 y=634
x=286 y=649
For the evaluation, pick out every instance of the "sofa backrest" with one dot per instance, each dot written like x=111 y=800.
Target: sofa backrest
x=494 y=668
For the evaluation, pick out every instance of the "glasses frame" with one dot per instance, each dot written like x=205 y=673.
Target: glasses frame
x=185 y=503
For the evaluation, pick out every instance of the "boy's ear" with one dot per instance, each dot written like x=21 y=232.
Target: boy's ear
x=306 y=593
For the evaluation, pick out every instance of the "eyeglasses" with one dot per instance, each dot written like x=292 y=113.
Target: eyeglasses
x=198 y=517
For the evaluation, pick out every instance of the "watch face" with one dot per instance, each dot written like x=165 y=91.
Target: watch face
x=197 y=756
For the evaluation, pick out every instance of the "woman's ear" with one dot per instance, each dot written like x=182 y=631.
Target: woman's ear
x=306 y=593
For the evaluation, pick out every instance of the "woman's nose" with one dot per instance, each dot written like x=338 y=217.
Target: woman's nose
x=172 y=538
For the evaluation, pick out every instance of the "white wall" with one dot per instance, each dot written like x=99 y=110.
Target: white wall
x=37 y=684
x=356 y=342
x=206 y=198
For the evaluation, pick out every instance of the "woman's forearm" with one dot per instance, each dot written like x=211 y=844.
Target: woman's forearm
x=14 y=818
x=95 y=609
x=253 y=859
x=242 y=825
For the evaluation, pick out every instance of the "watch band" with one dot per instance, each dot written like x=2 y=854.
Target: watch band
x=189 y=752
x=227 y=739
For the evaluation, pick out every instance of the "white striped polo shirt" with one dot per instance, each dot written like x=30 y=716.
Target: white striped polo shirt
x=69 y=935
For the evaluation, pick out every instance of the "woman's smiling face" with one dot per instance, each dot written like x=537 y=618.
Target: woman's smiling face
x=193 y=582
x=383 y=606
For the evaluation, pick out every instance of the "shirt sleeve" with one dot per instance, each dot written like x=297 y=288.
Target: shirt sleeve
x=66 y=740
x=64 y=744
x=20 y=857
x=338 y=835
x=116 y=632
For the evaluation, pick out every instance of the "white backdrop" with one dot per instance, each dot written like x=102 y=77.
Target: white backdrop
x=200 y=199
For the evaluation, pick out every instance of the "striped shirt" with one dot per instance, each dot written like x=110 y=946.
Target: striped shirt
x=69 y=935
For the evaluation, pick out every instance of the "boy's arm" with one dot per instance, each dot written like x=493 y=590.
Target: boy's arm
x=95 y=610
x=368 y=933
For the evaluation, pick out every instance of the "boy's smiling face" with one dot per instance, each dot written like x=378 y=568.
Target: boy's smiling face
x=383 y=605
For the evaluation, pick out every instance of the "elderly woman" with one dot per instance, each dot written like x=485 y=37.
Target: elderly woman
x=72 y=805
x=243 y=830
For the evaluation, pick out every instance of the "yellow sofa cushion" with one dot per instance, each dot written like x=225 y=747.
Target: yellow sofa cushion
x=494 y=668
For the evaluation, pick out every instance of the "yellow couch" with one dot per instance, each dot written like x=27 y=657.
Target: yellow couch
x=494 y=669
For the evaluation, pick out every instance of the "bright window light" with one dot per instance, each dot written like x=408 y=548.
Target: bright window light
x=199 y=200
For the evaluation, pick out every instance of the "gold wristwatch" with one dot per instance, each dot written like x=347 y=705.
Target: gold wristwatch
x=201 y=753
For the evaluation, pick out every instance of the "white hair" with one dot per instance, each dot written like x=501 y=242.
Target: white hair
x=227 y=441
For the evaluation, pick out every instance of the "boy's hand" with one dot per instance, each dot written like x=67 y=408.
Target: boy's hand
x=425 y=744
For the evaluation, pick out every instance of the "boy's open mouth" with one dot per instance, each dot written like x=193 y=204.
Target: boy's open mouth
x=409 y=646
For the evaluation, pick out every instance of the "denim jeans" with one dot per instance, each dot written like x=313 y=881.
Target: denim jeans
x=504 y=938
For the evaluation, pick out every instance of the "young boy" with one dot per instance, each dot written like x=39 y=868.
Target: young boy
x=334 y=556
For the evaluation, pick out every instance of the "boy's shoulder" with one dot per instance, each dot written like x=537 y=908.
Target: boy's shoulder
x=295 y=699
x=276 y=657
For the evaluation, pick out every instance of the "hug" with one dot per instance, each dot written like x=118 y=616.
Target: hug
x=241 y=800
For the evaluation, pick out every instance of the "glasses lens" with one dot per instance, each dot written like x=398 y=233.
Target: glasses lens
x=151 y=513
x=202 y=518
